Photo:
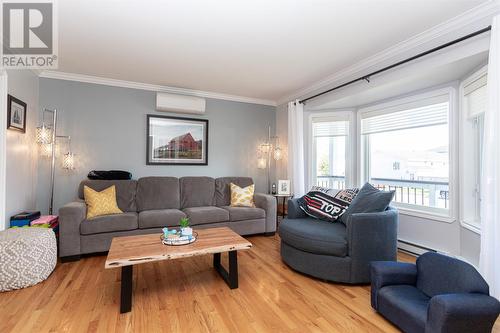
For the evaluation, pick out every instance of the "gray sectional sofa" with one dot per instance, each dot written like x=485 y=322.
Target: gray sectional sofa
x=151 y=203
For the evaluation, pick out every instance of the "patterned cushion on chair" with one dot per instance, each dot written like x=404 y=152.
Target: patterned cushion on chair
x=27 y=257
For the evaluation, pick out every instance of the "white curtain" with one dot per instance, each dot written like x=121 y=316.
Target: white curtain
x=296 y=147
x=489 y=262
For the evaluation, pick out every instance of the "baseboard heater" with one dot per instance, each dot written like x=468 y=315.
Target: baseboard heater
x=412 y=248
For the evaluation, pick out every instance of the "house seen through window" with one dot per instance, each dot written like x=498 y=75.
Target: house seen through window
x=408 y=151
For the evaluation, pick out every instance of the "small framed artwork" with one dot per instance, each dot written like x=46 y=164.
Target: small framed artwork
x=176 y=141
x=16 y=114
x=284 y=187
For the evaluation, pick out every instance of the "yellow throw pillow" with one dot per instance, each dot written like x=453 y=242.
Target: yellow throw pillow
x=100 y=203
x=242 y=197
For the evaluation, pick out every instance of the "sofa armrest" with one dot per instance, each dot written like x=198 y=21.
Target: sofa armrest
x=268 y=203
x=371 y=237
x=388 y=273
x=462 y=313
x=70 y=217
x=294 y=210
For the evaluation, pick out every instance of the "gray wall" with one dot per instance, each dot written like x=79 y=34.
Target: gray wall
x=21 y=152
x=108 y=130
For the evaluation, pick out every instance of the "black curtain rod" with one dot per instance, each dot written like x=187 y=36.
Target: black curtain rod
x=367 y=77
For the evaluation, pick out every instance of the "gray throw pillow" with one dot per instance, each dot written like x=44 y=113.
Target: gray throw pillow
x=368 y=200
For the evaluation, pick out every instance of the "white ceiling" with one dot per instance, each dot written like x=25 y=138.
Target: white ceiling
x=260 y=49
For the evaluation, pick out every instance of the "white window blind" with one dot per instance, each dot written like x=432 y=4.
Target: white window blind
x=329 y=128
x=413 y=117
x=475 y=97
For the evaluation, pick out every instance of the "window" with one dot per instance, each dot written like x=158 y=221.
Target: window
x=405 y=148
x=329 y=149
x=474 y=99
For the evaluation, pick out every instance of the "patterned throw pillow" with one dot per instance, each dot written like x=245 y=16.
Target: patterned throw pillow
x=101 y=203
x=323 y=206
x=242 y=197
x=327 y=190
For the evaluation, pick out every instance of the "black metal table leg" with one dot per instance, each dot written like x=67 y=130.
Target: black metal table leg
x=126 y=289
x=233 y=269
x=230 y=277
x=217 y=261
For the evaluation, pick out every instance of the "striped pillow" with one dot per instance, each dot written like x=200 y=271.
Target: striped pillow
x=325 y=207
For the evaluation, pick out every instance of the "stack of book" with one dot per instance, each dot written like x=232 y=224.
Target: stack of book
x=35 y=220
x=24 y=218
x=47 y=221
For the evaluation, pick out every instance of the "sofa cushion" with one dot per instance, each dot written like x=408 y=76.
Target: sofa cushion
x=245 y=213
x=315 y=236
x=197 y=191
x=207 y=214
x=101 y=203
x=158 y=193
x=109 y=223
x=160 y=218
x=223 y=190
x=437 y=274
x=368 y=200
x=242 y=196
x=405 y=306
x=125 y=191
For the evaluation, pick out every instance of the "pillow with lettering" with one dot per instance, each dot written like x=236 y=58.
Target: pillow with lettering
x=324 y=206
x=327 y=190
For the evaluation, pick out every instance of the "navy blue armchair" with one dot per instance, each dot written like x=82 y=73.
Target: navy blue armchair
x=437 y=294
x=334 y=251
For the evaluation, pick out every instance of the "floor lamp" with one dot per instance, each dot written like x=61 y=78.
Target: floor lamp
x=265 y=150
x=46 y=137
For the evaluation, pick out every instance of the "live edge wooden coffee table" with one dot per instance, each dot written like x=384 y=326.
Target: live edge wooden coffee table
x=127 y=251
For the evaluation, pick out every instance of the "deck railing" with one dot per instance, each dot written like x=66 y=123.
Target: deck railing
x=415 y=192
x=331 y=181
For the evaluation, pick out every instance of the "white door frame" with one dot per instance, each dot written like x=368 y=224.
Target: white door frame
x=3 y=146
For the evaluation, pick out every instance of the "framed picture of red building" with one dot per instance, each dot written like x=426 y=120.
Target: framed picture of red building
x=176 y=141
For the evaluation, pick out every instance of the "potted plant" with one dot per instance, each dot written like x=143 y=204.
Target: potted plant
x=186 y=230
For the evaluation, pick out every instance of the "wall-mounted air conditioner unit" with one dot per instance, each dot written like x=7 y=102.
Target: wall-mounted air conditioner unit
x=180 y=103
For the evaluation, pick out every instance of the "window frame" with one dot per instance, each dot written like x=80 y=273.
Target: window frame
x=392 y=106
x=350 y=162
x=473 y=226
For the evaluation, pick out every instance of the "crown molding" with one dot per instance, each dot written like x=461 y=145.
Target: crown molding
x=476 y=18
x=151 y=87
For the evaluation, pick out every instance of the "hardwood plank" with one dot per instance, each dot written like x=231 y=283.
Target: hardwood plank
x=188 y=295
x=134 y=250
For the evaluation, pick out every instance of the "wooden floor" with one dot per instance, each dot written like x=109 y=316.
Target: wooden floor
x=187 y=295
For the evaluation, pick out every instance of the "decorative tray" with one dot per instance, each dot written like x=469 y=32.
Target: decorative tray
x=177 y=239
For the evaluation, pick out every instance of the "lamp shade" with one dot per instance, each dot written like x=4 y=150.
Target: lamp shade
x=68 y=161
x=265 y=147
x=278 y=153
x=43 y=135
x=261 y=163
x=46 y=149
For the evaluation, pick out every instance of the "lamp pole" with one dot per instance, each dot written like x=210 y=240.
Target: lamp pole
x=269 y=161
x=42 y=137
x=53 y=163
